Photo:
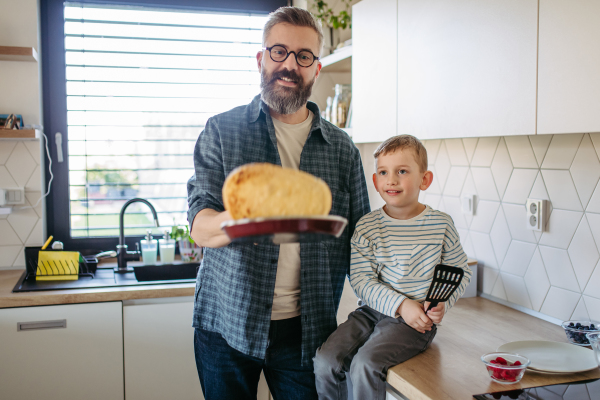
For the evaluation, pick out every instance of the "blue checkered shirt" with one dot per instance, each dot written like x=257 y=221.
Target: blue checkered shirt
x=235 y=283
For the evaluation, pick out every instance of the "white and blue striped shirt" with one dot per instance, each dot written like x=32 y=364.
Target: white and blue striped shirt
x=393 y=259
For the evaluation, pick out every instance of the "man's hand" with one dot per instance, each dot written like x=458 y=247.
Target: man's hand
x=414 y=315
x=206 y=228
x=436 y=313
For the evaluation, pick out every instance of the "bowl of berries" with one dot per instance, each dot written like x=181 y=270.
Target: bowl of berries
x=505 y=368
x=576 y=331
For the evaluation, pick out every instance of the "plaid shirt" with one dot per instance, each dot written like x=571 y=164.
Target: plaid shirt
x=235 y=284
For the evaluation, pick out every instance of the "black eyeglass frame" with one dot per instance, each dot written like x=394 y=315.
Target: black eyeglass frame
x=315 y=58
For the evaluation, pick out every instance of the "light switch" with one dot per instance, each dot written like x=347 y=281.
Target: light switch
x=468 y=204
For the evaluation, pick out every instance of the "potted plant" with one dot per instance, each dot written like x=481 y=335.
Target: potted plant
x=329 y=19
x=189 y=250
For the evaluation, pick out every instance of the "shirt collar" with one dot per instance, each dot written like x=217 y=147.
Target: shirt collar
x=258 y=107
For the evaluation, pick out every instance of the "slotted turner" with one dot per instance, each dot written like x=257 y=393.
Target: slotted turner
x=446 y=280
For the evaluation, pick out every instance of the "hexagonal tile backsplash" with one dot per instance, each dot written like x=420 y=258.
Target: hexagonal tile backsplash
x=556 y=272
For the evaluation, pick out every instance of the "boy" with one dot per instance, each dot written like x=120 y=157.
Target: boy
x=394 y=252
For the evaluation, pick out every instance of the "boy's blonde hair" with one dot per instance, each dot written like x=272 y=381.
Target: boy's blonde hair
x=402 y=142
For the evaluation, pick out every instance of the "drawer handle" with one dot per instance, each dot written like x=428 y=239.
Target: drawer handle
x=39 y=325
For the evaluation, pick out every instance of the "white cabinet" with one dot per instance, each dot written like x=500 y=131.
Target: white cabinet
x=374 y=70
x=159 y=350
x=569 y=66
x=467 y=67
x=83 y=360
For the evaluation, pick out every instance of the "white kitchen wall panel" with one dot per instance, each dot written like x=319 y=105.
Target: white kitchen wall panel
x=581 y=312
x=568 y=74
x=585 y=170
x=502 y=167
x=456 y=152
x=556 y=267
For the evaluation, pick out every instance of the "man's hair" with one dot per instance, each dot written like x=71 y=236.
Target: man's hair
x=294 y=16
x=402 y=142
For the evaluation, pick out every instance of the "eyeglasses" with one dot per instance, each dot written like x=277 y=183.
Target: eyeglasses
x=304 y=58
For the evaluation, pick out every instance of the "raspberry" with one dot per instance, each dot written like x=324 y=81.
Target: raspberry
x=517 y=363
x=501 y=360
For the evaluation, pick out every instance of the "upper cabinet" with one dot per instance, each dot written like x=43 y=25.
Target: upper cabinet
x=467 y=68
x=569 y=66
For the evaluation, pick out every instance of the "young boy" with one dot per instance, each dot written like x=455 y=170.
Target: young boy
x=394 y=252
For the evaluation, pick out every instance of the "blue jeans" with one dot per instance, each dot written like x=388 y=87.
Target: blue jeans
x=226 y=373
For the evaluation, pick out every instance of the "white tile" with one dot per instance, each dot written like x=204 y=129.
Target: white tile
x=579 y=392
x=520 y=185
x=20 y=260
x=36 y=238
x=8 y=254
x=469 y=186
x=20 y=164
x=561 y=151
x=6 y=179
x=518 y=257
x=484 y=152
x=593 y=286
x=456 y=152
x=435 y=183
x=593 y=205
x=536 y=280
x=585 y=170
x=561 y=228
x=22 y=222
x=580 y=312
x=432 y=200
x=516 y=217
x=561 y=189
x=583 y=253
x=485 y=215
x=559 y=268
x=594 y=389
x=484 y=182
x=453 y=208
x=6 y=149
x=516 y=291
x=442 y=206
x=538 y=190
x=593 y=307
x=7 y=235
x=432 y=146
x=501 y=167
x=468 y=248
x=32 y=199
x=455 y=181
x=499 y=290
x=442 y=166
x=470 y=145
x=488 y=279
x=484 y=250
x=560 y=303
x=500 y=236
x=33 y=147
x=594 y=223
x=35 y=181
x=521 y=152
x=539 y=144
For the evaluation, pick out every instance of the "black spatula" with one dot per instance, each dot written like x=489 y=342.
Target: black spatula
x=446 y=280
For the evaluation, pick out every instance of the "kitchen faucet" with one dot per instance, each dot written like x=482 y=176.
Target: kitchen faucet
x=122 y=254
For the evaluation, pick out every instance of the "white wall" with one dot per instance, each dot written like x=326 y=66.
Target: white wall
x=20 y=161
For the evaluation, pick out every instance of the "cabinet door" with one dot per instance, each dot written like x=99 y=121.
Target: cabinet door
x=84 y=360
x=467 y=67
x=374 y=74
x=159 y=350
x=569 y=67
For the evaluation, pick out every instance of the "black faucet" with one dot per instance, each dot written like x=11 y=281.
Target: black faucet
x=122 y=254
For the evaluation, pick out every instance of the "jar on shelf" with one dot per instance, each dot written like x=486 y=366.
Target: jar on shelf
x=341 y=105
x=328 y=108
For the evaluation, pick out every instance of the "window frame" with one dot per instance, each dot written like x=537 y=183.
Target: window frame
x=54 y=103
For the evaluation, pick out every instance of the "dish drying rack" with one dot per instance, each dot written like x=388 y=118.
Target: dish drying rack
x=86 y=268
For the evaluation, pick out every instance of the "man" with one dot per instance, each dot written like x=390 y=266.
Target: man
x=265 y=307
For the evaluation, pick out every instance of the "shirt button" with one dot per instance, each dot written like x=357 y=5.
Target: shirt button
x=274 y=260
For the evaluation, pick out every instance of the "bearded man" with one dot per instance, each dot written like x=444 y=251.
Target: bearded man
x=266 y=307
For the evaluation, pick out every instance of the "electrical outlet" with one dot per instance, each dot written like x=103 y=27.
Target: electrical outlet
x=536 y=214
x=12 y=196
x=468 y=204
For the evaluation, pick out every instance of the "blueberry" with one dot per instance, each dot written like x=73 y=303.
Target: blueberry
x=578 y=325
x=571 y=324
x=593 y=327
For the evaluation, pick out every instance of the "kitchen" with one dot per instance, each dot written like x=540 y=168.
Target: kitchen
x=532 y=140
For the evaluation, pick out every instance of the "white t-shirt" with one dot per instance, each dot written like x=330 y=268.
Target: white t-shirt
x=286 y=299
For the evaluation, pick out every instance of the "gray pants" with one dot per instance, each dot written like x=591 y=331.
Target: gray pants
x=366 y=345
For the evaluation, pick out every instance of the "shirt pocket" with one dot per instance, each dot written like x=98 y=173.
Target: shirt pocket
x=424 y=255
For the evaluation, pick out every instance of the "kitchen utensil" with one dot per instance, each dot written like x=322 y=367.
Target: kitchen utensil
x=47 y=242
x=57 y=265
x=446 y=280
x=549 y=356
x=280 y=230
x=502 y=369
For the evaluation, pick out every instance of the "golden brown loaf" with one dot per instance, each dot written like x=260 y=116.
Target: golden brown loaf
x=267 y=190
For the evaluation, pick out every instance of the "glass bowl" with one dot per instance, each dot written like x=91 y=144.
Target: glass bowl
x=576 y=330
x=505 y=368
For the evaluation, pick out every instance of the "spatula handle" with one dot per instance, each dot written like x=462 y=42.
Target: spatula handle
x=431 y=305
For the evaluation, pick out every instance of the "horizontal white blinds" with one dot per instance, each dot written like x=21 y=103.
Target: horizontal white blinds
x=141 y=84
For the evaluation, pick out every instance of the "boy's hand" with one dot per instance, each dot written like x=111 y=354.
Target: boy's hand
x=414 y=315
x=436 y=313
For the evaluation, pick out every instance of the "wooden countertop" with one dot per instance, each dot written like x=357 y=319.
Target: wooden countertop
x=451 y=368
x=9 y=278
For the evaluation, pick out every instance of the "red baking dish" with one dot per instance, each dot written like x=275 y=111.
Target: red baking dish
x=280 y=230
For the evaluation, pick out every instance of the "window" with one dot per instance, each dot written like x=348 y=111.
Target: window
x=138 y=84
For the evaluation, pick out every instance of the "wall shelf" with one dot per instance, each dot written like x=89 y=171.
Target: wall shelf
x=19 y=134
x=339 y=61
x=13 y=53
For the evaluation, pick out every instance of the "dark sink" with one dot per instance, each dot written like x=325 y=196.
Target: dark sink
x=166 y=272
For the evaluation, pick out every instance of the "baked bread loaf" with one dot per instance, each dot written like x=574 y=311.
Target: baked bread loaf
x=267 y=190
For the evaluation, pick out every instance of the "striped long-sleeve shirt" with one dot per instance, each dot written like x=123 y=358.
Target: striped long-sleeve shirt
x=394 y=259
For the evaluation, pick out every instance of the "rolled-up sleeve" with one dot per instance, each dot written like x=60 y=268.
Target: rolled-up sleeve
x=205 y=186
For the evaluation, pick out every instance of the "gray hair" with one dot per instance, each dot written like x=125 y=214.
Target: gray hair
x=294 y=16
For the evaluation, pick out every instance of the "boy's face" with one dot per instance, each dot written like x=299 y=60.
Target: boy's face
x=399 y=180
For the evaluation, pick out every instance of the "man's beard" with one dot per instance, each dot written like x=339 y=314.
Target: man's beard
x=282 y=99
